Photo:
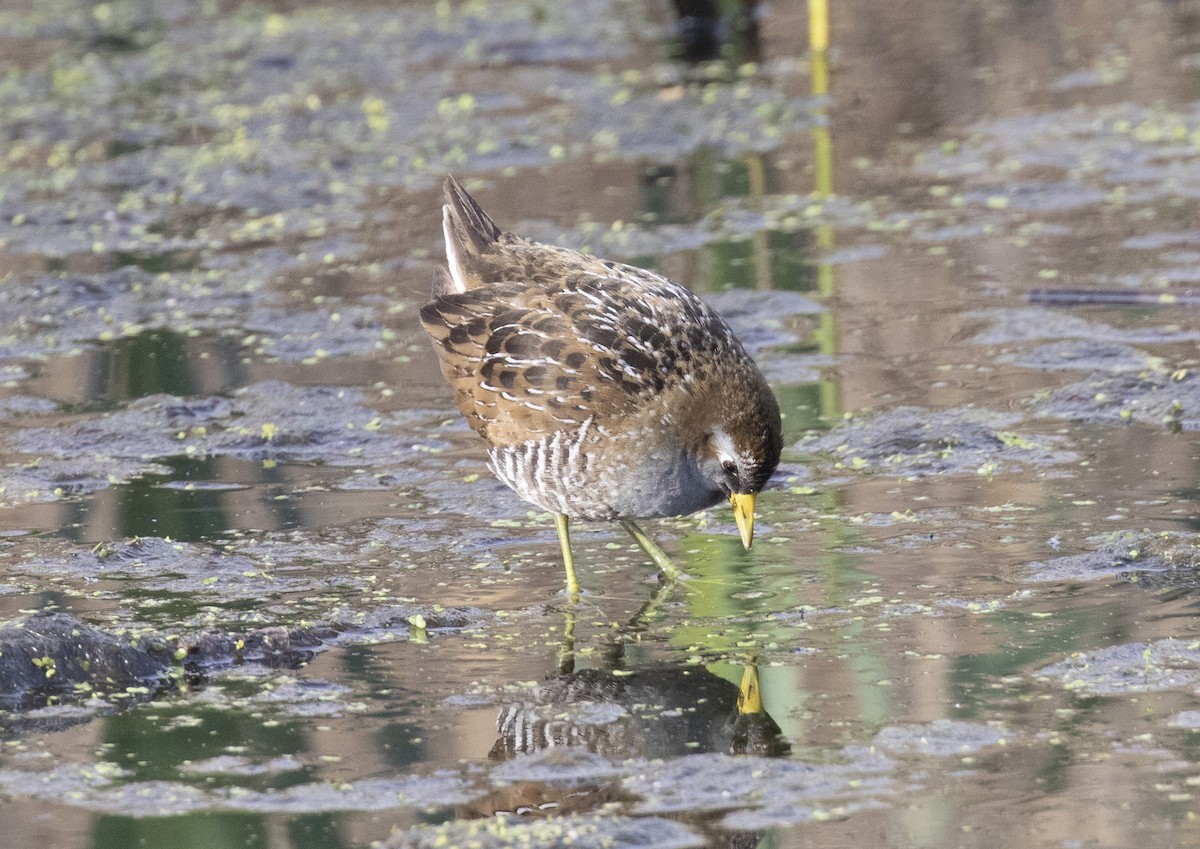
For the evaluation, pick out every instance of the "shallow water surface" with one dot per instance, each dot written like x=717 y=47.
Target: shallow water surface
x=258 y=587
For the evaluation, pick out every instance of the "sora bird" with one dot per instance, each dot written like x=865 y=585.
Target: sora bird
x=604 y=391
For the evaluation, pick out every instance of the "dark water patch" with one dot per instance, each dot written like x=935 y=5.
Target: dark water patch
x=752 y=256
x=705 y=32
x=187 y=506
x=153 y=262
x=144 y=364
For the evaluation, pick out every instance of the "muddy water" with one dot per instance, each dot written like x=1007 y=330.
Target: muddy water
x=970 y=601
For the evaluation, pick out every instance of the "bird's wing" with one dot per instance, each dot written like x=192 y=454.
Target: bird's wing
x=564 y=345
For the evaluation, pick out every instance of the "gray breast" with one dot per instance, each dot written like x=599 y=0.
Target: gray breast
x=585 y=475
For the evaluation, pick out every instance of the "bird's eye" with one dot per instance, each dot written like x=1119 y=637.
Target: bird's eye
x=730 y=468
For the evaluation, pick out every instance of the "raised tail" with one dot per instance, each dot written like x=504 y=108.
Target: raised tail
x=469 y=232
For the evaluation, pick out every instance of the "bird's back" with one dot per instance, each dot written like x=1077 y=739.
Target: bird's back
x=545 y=337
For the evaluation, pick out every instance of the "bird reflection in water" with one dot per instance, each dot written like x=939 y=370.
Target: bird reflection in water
x=656 y=712
x=659 y=711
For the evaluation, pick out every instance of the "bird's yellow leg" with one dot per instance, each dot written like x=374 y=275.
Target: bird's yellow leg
x=660 y=558
x=564 y=541
x=642 y=619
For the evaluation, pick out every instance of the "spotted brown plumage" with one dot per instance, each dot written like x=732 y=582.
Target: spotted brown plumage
x=604 y=391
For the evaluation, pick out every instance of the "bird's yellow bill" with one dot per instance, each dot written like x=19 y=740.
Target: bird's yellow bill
x=749 y=693
x=743 y=514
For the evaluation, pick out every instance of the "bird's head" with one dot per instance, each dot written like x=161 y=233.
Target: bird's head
x=740 y=450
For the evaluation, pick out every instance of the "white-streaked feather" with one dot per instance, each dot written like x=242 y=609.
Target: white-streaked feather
x=452 y=257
